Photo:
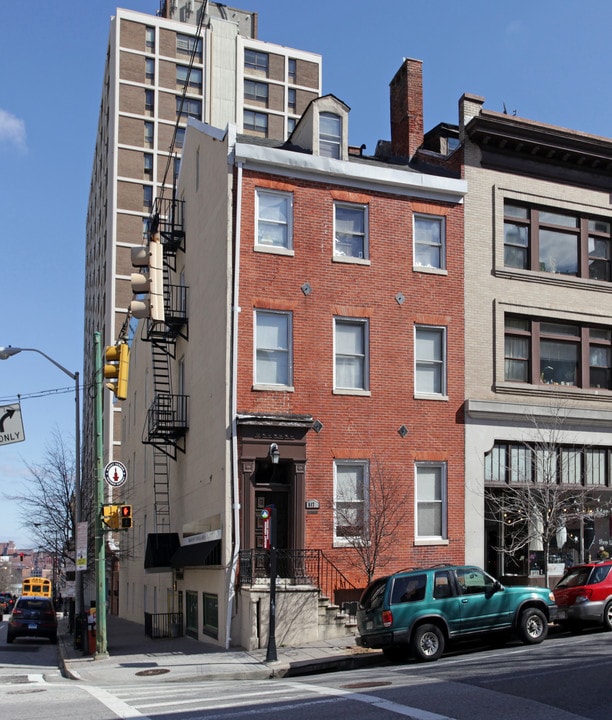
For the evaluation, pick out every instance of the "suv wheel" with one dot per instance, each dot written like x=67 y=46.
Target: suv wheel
x=427 y=643
x=533 y=626
x=607 y=617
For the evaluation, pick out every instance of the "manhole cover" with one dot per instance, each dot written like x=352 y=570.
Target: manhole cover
x=361 y=685
x=153 y=671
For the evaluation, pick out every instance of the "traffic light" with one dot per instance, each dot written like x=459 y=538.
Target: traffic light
x=125 y=516
x=110 y=516
x=149 y=257
x=117 y=368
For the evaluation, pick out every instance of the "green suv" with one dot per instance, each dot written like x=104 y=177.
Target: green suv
x=419 y=610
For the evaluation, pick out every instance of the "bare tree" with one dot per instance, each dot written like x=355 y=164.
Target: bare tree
x=46 y=505
x=544 y=489
x=369 y=525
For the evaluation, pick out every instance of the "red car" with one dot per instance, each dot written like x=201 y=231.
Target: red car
x=584 y=596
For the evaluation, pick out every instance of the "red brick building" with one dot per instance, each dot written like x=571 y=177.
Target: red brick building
x=326 y=327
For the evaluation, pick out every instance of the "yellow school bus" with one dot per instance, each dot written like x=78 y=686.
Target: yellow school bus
x=36 y=586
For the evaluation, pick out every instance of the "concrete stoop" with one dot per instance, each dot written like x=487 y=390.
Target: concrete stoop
x=333 y=623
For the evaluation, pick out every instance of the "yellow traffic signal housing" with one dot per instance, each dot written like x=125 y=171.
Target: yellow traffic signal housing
x=151 y=285
x=125 y=516
x=117 y=369
x=110 y=516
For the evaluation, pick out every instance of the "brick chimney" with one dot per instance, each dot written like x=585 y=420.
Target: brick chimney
x=406 y=96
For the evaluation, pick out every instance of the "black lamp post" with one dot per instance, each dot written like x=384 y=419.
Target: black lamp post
x=271 y=656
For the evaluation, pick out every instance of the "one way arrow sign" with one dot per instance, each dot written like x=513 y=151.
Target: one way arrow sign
x=11 y=425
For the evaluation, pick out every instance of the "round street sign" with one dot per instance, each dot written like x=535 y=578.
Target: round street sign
x=115 y=473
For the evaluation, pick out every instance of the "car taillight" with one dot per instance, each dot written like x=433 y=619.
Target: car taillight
x=387 y=618
x=583 y=596
x=17 y=611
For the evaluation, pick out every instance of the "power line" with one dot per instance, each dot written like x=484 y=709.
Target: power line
x=38 y=394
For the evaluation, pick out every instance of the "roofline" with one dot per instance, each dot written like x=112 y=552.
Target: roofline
x=341 y=172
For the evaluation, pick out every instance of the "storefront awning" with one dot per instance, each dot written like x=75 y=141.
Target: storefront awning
x=160 y=549
x=198 y=554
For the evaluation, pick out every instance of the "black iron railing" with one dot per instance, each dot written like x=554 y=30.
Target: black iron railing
x=164 y=625
x=167 y=416
x=295 y=567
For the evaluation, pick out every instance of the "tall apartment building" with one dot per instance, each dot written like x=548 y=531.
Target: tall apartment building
x=321 y=375
x=193 y=59
x=538 y=374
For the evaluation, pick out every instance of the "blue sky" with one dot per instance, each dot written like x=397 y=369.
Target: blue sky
x=547 y=60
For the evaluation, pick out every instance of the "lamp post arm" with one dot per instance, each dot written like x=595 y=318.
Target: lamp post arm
x=51 y=360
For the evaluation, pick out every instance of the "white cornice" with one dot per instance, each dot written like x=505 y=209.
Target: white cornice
x=368 y=177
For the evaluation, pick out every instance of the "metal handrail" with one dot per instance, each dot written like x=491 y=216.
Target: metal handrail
x=294 y=567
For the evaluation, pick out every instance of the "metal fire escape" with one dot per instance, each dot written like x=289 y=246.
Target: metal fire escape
x=167 y=417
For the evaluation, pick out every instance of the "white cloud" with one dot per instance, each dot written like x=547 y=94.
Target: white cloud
x=12 y=130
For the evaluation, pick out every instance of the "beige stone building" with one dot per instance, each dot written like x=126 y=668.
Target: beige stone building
x=538 y=290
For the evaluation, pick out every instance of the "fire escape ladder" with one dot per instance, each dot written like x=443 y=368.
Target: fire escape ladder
x=161 y=490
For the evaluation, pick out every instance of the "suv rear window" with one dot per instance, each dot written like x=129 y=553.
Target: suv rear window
x=374 y=594
x=27 y=604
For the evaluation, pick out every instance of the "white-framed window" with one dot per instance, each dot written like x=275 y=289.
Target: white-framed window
x=189 y=46
x=430 y=360
x=274 y=212
x=149 y=71
x=256 y=92
x=431 y=509
x=256 y=123
x=351 y=481
x=189 y=77
x=150 y=39
x=351 y=354
x=350 y=230
x=256 y=62
x=148 y=166
x=149 y=132
x=330 y=135
x=430 y=241
x=273 y=361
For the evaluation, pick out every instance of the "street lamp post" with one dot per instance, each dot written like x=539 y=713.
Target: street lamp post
x=271 y=656
x=5 y=354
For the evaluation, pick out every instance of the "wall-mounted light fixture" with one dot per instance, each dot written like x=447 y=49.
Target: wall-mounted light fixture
x=274 y=453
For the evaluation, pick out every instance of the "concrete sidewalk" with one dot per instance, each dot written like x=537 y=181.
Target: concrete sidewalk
x=132 y=656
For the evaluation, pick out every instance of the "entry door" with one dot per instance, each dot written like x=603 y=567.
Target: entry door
x=279 y=500
x=191 y=614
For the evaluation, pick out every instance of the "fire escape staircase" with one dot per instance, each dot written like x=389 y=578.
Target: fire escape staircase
x=167 y=417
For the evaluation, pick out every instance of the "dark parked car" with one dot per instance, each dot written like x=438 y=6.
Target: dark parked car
x=419 y=610
x=584 y=596
x=32 y=617
x=6 y=602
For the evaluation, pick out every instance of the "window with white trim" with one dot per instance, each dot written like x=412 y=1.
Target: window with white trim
x=189 y=77
x=350 y=354
x=274 y=212
x=430 y=360
x=273 y=362
x=350 y=230
x=350 y=500
x=189 y=46
x=429 y=241
x=431 y=510
x=256 y=123
x=330 y=135
x=256 y=92
x=256 y=62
